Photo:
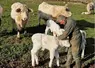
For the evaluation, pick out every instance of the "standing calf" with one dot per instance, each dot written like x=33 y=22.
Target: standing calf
x=20 y=15
x=46 y=42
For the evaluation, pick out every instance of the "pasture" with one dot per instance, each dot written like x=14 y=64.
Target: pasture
x=15 y=53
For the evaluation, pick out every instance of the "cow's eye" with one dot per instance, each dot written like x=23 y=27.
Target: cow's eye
x=67 y=9
x=18 y=10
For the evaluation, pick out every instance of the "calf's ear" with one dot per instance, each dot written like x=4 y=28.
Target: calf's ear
x=18 y=10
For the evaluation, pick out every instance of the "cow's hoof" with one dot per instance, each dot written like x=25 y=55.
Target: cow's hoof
x=18 y=37
x=25 y=32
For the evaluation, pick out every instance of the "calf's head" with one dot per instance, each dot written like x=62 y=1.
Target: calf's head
x=60 y=32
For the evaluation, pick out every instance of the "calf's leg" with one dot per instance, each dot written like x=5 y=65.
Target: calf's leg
x=57 y=57
x=52 y=52
x=34 y=57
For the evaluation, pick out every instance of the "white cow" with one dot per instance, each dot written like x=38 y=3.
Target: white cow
x=90 y=8
x=20 y=15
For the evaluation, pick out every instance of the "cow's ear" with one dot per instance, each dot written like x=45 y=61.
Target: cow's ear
x=66 y=5
x=25 y=5
x=18 y=10
x=30 y=10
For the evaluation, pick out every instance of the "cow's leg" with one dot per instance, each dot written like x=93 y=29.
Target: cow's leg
x=57 y=57
x=39 y=17
x=13 y=25
x=18 y=34
x=69 y=58
x=19 y=29
x=24 y=28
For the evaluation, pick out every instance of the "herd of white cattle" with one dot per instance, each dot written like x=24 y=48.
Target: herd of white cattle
x=20 y=15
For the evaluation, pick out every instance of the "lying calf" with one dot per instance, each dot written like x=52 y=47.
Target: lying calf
x=46 y=42
x=90 y=8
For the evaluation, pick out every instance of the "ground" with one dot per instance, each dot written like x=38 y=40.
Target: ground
x=15 y=53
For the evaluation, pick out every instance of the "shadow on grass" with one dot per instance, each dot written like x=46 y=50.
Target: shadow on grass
x=30 y=31
x=6 y=33
x=36 y=29
x=41 y=29
x=90 y=65
x=89 y=54
x=83 y=24
x=89 y=49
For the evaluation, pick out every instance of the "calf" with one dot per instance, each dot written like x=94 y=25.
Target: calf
x=46 y=42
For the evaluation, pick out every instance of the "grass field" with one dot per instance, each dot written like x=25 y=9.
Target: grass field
x=15 y=53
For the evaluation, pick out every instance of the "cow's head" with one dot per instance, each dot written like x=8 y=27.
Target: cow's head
x=66 y=11
x=23 y=10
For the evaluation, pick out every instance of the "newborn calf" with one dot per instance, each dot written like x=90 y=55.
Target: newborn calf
x=54 y=27
x=46 y=42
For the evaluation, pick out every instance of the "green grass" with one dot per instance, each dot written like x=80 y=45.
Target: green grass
x=16 y=52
